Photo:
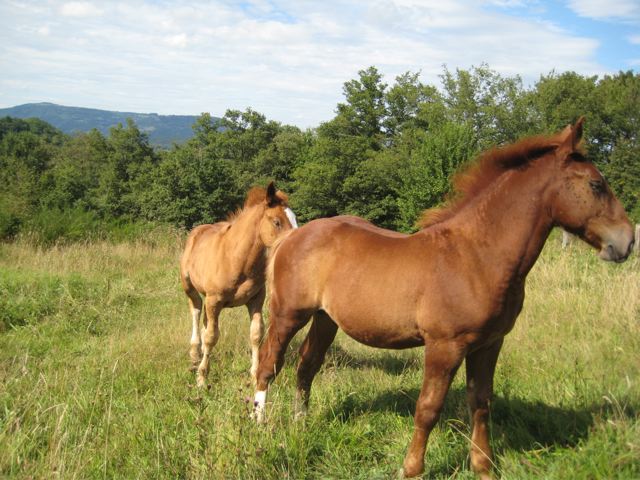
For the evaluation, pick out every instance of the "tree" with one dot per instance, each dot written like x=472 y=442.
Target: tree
x=425 y=176
x=76 y=170
x=495 y=107
x=129 y=155
x=411 y=105
x=365 y=109
x=189 y=187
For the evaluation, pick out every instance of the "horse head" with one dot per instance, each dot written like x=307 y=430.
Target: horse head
x=277 y=216
x=583 y=202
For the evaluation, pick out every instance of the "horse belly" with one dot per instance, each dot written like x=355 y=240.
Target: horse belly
x=381 y=326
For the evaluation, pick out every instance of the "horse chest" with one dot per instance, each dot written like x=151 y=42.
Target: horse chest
x=505 y=318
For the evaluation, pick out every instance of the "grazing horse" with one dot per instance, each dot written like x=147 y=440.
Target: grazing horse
x=456 y=286
x=226 y=262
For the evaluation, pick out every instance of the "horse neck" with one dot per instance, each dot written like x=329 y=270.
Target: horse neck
x=510 y=222
x=243 y=238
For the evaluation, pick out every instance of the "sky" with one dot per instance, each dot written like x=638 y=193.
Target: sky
x=289 y=59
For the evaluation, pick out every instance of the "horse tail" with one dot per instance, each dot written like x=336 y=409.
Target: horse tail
x=272 y=255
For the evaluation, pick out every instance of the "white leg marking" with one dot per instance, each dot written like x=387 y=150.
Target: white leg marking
x=195 y=331
x=259 y=405
x=255 y=335
x=292 y=217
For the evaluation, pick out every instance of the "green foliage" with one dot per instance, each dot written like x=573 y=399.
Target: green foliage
x=425 y=176
x=623 y=174
x=75 y=171
x=129 y=155
x=494 y=106
x=387 y=154
x=51 y=225
x=372 y=190
x=189 y=187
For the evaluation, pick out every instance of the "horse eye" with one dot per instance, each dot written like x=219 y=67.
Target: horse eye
x=277 y=223
x=598 y=187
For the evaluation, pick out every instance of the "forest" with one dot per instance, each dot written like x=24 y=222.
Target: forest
x=387 y=154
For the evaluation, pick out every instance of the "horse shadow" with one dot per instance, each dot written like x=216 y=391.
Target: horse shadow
x=517 y=423
x=389 y=362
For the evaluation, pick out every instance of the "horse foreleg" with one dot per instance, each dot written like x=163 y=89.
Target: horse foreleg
x=195 y=307
x=256 y=330
x=442 y=360
x=312 y=351
x=481 y=366
x=210 y=335
x=281 y=331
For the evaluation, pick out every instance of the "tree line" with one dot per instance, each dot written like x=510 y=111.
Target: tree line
x=387 y=154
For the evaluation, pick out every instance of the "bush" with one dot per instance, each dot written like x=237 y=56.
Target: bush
x=9 y=224
x=48 y=226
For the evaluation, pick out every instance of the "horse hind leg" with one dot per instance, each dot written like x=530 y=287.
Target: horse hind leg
x=209 y=336
x=312 y=352
x=281 y=330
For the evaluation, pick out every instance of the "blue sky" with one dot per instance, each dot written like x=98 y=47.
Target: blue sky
x=289 y=59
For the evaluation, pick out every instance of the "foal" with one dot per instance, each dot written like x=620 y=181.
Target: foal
x=456 y=286
x=226 y=262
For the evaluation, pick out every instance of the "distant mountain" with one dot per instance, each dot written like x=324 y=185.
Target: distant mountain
x=163 y=130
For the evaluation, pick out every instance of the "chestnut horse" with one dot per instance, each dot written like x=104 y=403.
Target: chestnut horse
x=226 y=263
x=456 y=286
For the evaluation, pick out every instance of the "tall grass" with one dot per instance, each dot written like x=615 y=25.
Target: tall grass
x=94 y=379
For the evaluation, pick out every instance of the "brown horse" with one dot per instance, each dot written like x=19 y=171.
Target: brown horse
x=226 y=263
x=456 y=286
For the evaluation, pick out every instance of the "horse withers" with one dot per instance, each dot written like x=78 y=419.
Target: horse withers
x=226 y=262
x=456 y=286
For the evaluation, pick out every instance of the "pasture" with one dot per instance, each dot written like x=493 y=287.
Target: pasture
x=94 y=379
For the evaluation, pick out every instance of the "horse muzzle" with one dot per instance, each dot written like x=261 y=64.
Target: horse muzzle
x=617 y=247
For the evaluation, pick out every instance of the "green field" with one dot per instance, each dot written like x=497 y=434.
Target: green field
x=94 y=379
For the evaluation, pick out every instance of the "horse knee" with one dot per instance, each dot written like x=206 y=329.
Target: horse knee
x=210 y=338
x=256 y=332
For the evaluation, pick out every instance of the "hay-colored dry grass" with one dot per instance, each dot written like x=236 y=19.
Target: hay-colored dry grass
x=94 y=380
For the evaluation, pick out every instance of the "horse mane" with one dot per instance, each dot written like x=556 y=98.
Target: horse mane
x=473 y=179
x=255 y=196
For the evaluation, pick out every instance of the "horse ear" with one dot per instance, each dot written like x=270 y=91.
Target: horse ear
x=577 y=132
x=571 y=137
x=272 y=198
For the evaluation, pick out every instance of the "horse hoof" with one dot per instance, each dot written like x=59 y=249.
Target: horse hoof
x=258 y=417
x=402 y=474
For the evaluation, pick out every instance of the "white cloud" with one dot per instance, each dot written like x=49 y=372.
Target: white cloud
x=598 y=9
x=634 y=39
x=79 y=9
x=180 y=40
x=285 y=58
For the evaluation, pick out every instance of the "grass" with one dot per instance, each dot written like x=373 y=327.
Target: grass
x=94 y=380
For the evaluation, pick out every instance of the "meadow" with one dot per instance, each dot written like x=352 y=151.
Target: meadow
x=94 y=379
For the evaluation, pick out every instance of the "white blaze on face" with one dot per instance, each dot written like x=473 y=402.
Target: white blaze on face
x=292 y=217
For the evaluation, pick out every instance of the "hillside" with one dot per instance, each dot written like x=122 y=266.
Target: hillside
x=163 y=130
